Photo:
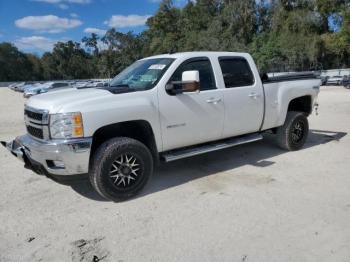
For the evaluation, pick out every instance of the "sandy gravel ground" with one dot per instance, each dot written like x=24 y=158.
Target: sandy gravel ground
x=250 y=203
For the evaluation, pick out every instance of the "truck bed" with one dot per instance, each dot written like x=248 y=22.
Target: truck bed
x=289 y=77
x=280 y=90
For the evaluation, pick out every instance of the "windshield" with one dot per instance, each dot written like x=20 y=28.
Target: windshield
x=142 y=75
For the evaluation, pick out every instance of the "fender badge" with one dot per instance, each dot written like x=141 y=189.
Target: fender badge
x=176 y=125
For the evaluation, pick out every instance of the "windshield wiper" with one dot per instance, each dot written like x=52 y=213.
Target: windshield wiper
x=118 y=89
x=120 y=85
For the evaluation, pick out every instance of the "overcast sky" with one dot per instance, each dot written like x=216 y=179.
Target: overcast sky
x=34 y=25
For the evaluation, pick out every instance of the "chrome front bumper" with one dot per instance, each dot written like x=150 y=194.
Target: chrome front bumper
x=66 y=157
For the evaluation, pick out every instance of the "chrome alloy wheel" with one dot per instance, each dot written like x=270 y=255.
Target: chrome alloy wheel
x=125 y=171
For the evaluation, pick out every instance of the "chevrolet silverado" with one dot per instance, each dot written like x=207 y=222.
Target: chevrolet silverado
x=162 y=108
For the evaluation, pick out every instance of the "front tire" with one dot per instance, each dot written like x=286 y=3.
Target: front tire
x=120 y=168
x=293 y=134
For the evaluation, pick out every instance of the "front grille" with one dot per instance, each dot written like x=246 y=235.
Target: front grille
x=33 y=115
x=36 y=121
x=36 y=132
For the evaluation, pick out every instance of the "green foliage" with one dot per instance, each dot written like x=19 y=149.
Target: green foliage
x=14 y=65
x=280 y=34
x=122 y=50
x=92 y=42
x=67 y=61
x=37 y=69
x=164 y=29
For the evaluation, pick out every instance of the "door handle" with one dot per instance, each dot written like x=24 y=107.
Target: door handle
x=214 y=100
x=254 y=95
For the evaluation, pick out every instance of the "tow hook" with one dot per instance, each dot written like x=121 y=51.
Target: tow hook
x=8 y=146
x=14 y=148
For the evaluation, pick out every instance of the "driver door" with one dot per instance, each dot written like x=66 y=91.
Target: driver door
x=194 y=117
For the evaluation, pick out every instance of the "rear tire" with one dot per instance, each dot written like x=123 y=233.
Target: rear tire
x=293 y=134
x=120 y=168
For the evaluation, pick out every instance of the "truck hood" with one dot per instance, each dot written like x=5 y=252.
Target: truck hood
x=55 y=101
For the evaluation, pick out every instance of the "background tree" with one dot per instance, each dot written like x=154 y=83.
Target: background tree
x=70 y=61
x=92 y=42
x=164 y=30
x=121 y=50
x=281 y=35
x=14 y=65
x=37 y=70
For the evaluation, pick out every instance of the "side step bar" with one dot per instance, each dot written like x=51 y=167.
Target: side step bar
x=205 y=148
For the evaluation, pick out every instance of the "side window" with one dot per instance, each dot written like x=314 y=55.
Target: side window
x=55 y=85
x=236 y=72
x=206 y=75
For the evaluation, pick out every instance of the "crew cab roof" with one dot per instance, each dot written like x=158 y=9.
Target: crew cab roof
x=198 y=53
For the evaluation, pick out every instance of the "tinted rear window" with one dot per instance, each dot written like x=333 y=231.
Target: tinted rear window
x=236 y=72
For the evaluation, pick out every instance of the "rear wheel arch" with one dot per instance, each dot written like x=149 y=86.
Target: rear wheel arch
x=301 y=104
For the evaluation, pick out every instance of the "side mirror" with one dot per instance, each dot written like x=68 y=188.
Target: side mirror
x=188 y=83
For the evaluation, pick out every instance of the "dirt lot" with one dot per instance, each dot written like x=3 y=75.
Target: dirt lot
x=250 y=203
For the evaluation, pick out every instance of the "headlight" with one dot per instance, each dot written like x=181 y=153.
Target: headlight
x=68 y=125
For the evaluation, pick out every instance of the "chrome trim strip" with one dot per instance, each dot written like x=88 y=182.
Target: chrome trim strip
x=35 y=110
x=34 y=125
x=46 y=133
x=45 y=114
x=34 y=121
x=175 y=155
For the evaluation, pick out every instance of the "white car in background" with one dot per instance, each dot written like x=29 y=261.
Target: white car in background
x=81 y=84
x=90 y=84
x=44 y=88
x=334 y=80
x=13 y=85
x=21 y=86
x=99 y=84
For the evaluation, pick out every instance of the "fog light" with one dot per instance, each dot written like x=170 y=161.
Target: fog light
x=55 y=164
x=58 y=164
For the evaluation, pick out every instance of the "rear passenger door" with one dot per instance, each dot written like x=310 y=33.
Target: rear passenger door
x=243 y=97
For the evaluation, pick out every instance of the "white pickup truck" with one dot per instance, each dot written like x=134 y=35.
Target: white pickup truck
x=162 y=108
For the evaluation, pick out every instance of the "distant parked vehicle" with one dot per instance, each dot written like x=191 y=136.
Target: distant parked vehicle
x=13 y=85
x=44 y=88
x=27 y=86
x=90 y=84
x=99 y=84
x=334 y=80
x=80 y=84
x=346 y=82
x=324 y=80
x=20 y=86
